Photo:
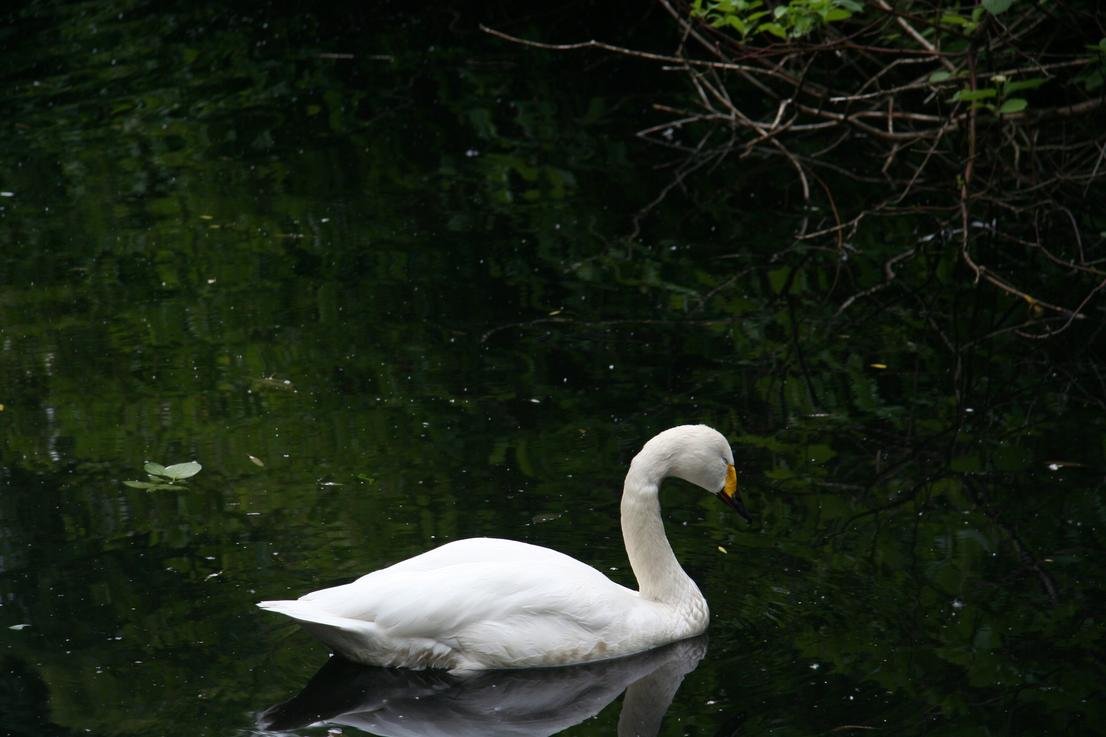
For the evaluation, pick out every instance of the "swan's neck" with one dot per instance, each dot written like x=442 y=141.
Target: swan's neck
x=659 y=575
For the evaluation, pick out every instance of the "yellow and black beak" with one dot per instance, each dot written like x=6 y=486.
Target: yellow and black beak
x=730 y=495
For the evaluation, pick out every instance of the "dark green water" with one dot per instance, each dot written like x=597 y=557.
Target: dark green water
x=386 y=256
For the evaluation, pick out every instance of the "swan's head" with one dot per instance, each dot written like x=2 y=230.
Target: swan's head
x=698 y=454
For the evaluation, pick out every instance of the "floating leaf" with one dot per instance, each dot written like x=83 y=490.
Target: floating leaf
x=256 y=461
x=154 y=469
x=722 y=550
x=183 y=470
x=149 y=485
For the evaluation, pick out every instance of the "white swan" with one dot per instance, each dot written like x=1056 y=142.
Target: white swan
x=484 y=603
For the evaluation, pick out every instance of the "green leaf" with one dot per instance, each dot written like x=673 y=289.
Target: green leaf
x=940 y=76
x=777 y=278
x=774 y=28
x=1013 y=105
x=154 y=469
x=149 y=486
x=734 y=22
x=183 y=470
x=1025 y=84
x=966 y=95
x=994 y=7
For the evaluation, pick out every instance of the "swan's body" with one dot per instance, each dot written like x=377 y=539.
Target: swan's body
x=485 y=603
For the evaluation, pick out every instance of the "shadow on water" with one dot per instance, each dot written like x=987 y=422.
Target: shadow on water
x=532 y=702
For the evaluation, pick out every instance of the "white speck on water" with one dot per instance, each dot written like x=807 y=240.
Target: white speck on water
x=958 y=603
x=18 y=627
x=1054 y=467
x=7 y=194
x=815 y=666
x=472 y=153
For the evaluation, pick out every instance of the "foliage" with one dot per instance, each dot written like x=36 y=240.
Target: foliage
x=166 y=477
x=984 y=120
x=792 y=19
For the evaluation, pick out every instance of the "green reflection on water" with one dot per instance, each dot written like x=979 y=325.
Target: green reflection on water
x=424 y=241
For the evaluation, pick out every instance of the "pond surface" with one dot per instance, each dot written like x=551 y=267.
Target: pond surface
x=373 y=271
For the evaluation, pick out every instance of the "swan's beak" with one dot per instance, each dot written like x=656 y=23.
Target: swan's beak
x=730 y=495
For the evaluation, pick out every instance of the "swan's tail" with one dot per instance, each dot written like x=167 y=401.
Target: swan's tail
x=365 y=642
x=355 y=639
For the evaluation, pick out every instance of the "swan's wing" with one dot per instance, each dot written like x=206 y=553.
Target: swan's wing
x=512 y=611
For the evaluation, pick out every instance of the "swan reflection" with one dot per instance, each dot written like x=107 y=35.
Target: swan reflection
x=506 y=703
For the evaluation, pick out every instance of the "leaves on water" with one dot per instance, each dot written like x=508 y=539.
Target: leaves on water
x=149 y=485
x=180 y=471
x=165 y=477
